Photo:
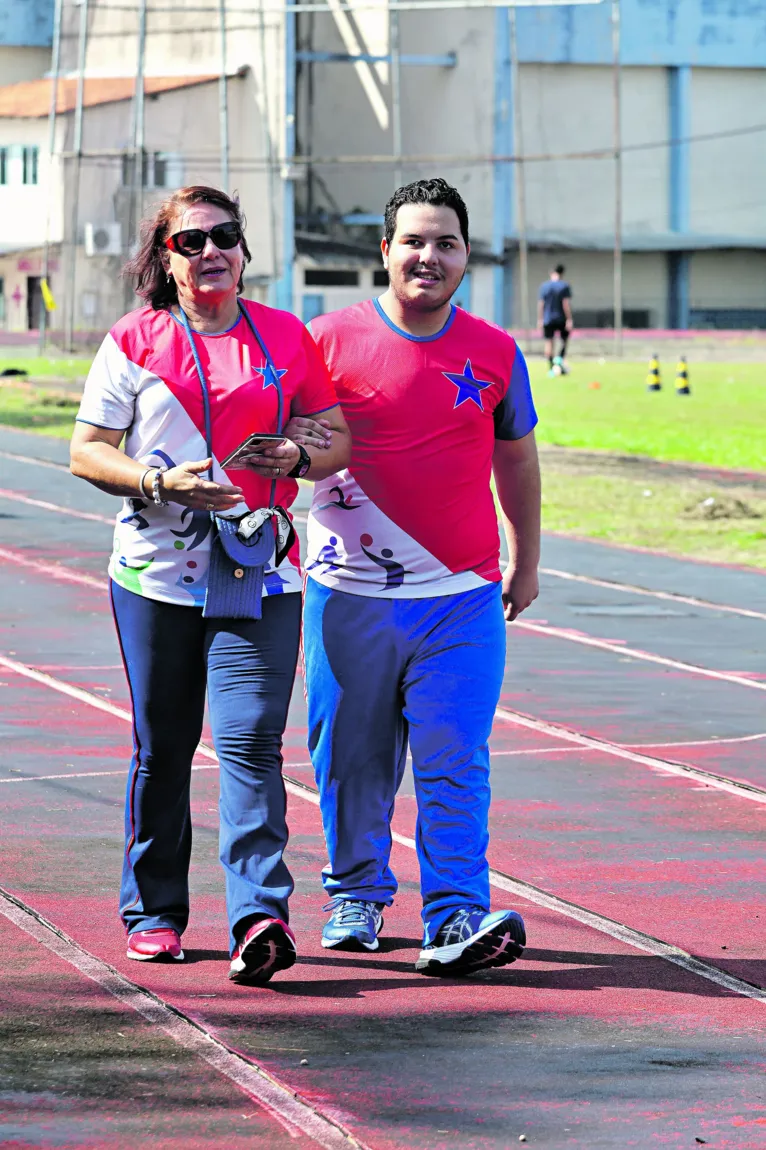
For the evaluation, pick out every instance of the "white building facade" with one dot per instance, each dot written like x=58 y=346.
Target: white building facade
x=324 y=113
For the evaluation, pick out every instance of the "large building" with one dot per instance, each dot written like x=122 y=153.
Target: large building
x=325 y=112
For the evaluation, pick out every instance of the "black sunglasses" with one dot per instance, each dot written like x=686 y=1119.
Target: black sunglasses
x=192 y=241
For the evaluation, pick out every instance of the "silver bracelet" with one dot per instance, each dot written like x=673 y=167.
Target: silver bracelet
x=156 y=494
x=141 y=482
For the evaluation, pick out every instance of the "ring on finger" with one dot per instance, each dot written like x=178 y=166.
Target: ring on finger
x=277 y=471
x=209 y=506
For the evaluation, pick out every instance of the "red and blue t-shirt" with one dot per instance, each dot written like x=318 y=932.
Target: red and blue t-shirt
x=413 y=515
x=144 y=380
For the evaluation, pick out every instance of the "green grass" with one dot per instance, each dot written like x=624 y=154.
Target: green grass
x=40 y=367
x=582 y=496
x=37 y=409
x=660 y=513
x=721 y=423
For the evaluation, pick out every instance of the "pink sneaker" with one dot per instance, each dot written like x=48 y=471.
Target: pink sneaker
x=160 y=944
x=268 y=946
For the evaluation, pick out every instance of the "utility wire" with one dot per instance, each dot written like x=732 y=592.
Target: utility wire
x=457 y=160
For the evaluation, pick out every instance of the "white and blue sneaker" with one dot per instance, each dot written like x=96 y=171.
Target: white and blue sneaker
x=474 y=939
x=353 y=924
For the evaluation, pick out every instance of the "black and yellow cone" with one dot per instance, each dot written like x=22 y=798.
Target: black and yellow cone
x=653 y=381
x=682 y=378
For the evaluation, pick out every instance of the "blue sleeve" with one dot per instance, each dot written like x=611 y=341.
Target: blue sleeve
x=515 y=414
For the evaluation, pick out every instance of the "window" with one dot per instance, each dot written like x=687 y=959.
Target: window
x=160 y=170
x=380 y=278
x=29 y=165
x=3 y=165
x=330 y=277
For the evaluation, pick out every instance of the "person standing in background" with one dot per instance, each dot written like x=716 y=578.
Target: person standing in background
x=554 y=316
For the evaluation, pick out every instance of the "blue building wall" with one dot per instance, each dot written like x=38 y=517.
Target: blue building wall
x=701 y=33
x=26 y=23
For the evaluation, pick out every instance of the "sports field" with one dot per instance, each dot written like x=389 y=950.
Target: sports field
x=606 y=407
x=598 y=406
x=598 y=444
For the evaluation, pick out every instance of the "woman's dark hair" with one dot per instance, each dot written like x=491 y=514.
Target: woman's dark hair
x=149 y=267
x=436 y=192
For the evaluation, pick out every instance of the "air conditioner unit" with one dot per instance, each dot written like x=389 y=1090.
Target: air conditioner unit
x=103 y=240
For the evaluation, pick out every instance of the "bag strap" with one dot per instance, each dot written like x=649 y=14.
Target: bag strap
x=206 y=392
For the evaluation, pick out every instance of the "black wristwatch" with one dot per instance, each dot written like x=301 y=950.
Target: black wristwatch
x=302 y=465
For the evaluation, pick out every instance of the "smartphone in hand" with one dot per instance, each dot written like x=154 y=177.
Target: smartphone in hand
x=251 y=446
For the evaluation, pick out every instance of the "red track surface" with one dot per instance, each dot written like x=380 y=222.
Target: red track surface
x=587 y=1041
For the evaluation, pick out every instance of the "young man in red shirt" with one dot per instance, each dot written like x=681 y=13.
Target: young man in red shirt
x=404 y=627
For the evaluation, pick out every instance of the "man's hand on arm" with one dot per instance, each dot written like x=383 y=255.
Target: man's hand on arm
x=517 y=480
x=568 y=314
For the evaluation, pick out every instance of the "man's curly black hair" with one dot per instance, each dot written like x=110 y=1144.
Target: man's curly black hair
x=437 y=192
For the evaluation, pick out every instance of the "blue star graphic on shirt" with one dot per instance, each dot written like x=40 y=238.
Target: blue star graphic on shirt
x=268 y=375
x=468 y=386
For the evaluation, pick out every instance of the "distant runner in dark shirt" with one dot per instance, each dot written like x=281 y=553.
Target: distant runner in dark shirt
x=554 y=315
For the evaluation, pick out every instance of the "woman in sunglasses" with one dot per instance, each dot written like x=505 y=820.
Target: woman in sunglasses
x=206 y=595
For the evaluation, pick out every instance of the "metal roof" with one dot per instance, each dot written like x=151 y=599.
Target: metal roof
x=31 y=99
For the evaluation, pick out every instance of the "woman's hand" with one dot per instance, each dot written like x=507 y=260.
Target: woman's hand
x=274 y=462
x=309 y=432
x=182 y=484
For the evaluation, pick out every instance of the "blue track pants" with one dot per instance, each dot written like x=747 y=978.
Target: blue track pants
x=172 y=656
x=384 y=672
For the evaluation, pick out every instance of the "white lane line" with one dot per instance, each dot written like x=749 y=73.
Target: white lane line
x=553 y=632
x=519 y=624
x=57 y=571
x=608 y=584
x=556 y=731
x=53 y=570
x=670 y=596
x=70 y=775
x=123 y=773
x=503 y=882
x=636 y=653
x=551 y=730
x=538 y=751
x=626 y=934
x=37 y=462
x=714 y=742
x=598 y=922
x=16 y=497
x=65 y=688
x=296 y=1116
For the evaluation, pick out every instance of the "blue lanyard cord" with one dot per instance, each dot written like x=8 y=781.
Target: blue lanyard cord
x=206 y=392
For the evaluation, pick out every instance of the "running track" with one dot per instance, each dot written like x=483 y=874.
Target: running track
x=629 y=803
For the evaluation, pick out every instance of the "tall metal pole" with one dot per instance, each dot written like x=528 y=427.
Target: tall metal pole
x=617 y=102
x=136 y=205
x=502 y=170
x=270 y=160
x=55 y=66
x=223 y=99
x=77 y=149
x=396 y=95
x=521 y=191
x=136 y=150
x=285 y=285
